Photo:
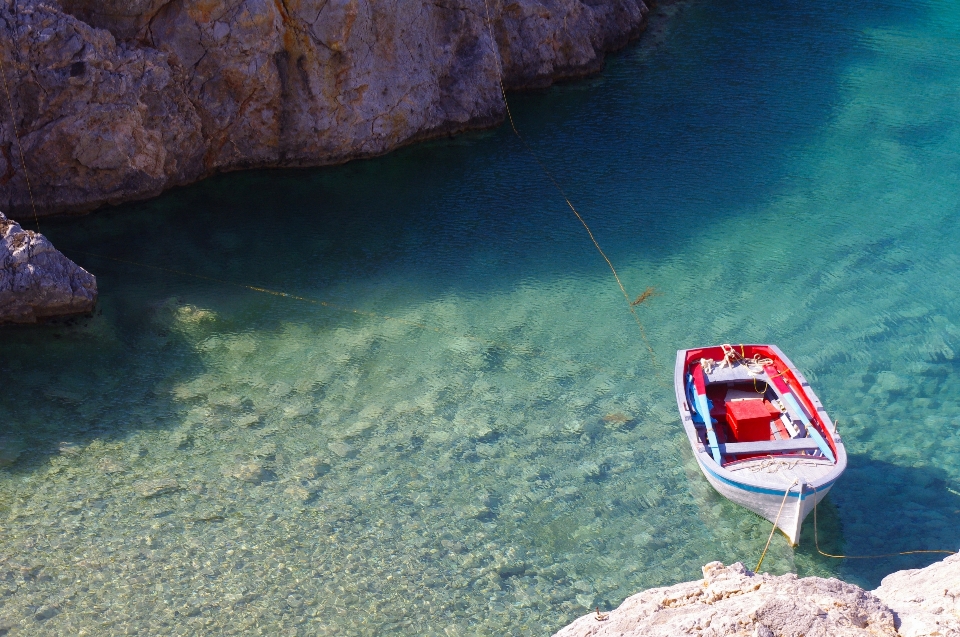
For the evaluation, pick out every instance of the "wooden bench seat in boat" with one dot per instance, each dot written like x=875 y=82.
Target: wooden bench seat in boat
x=770 y=446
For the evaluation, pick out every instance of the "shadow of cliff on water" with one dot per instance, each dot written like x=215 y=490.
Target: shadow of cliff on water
x=95 y=379
x=665 y=143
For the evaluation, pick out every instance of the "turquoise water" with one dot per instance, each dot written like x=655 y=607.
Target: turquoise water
x=470 y=437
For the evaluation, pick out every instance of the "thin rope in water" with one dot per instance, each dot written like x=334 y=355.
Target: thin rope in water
x=556 y=184
x=513 y=126
x=13 y=123
x=816 y=541
x=287 y=295
x=532 y=351
x=774 y=529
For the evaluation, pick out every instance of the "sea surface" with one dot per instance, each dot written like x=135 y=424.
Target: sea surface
x=449 y=423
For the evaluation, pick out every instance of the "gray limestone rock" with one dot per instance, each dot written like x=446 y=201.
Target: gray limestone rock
x=36 y=280
x=120 y=99
x=99 y=121
x=732 y=601
x=925 y=601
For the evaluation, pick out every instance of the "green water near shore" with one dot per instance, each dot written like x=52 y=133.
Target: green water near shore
x=470 y=436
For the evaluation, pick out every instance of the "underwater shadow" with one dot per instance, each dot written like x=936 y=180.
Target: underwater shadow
x=97 y=379
x=703 y=121
x=881 y=508
x=654 y=141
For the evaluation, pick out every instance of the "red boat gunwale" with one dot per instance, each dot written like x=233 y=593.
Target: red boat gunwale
x=784 y=371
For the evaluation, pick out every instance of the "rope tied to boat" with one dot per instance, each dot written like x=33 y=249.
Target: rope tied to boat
x=816 y=542
x=774 y=529
x=556 y=184
x=754 y=365
x=773 y=464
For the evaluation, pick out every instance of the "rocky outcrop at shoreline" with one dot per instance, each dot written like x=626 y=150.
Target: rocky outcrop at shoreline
x=925 y=601
x=116 y=100
x=37 y=281
x=732 y=601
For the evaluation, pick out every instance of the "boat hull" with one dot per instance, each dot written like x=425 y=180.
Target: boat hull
x=769 y=503
x=781 y=486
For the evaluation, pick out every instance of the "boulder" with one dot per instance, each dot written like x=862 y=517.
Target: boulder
x=36 y=280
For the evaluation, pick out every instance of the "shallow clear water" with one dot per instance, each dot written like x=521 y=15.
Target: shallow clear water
x=469 y=436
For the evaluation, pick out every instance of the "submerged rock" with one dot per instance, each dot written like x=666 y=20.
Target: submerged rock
x=153 y=488
x=252 y=472
x=36 y=280
x=70 y=449
x=311 y=468
x=116 y=100
x=342 y=449
x=10 y=450
x=109 y=465
x=299 y=493
x=730 y=600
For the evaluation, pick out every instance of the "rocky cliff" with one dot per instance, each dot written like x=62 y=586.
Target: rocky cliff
x=120 y=99
x=732 y=601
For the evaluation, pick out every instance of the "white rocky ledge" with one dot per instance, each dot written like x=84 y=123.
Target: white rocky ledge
x=732 y=601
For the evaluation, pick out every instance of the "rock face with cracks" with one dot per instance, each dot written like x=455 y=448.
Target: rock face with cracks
x=732 y=601
x=925 y=601
x=120 y=99
x=36 y=280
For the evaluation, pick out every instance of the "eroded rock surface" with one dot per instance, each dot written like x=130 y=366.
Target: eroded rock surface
x=732 y=601
x=120 y=99
x=36 y=280
x=925 y=601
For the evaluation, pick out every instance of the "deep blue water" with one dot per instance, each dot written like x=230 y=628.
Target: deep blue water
x=460 y=430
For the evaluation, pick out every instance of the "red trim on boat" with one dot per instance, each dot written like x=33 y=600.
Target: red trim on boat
x=782 y=378
x=699 y=382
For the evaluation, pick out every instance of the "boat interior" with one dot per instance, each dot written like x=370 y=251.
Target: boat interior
x=752 y=416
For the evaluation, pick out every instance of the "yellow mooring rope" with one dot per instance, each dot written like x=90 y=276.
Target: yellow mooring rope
x=774 y=529
x=816 y=541
x=816 y=537
x=13 y=123
x=556 y=184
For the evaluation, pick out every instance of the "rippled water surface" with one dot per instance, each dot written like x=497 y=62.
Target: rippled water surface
x=457 y=428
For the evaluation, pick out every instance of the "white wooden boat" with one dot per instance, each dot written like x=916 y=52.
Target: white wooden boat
x=758 y=431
